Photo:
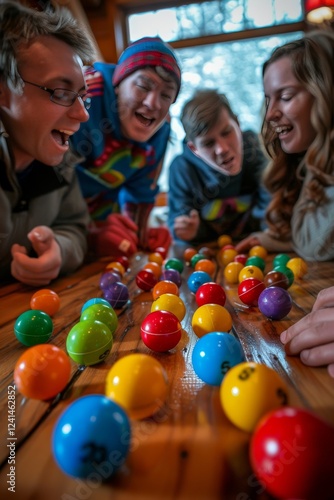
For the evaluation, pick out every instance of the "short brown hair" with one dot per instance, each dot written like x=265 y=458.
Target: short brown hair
x=202 y=111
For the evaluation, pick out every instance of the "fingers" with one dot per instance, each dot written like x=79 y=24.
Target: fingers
x=324 y=299
x=41 y=238
x=122 y=221
x=246 y=244
x=186 y=226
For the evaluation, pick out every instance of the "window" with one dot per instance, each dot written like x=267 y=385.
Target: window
x=220 y=44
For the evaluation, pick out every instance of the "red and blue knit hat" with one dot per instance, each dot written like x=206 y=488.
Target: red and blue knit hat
x=147 y=52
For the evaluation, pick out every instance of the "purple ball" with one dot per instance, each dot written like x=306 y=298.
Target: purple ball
x=171 y=275
x=275 y=302
x=108 y=278
x=117 y=294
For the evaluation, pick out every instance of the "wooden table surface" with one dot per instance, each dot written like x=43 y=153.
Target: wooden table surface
x=192 y=451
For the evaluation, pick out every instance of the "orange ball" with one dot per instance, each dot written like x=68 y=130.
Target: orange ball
x=232 y=271
x=45 y=300
x=163 y=287
x=156 y=257
x=116 y=265
x=223 y=240
x=206 y=265
x=154 y=267
x=189 y=253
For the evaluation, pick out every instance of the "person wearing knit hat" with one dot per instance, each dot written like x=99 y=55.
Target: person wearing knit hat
x=123 y=145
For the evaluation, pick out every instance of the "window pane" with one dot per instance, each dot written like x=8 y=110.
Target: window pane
x=211 y=18
x=229 y=68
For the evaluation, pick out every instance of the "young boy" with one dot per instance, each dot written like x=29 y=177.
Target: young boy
x=215 y=184
x=43 y=100
x=124 y=142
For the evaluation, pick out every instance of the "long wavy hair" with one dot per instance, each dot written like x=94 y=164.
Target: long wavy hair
x=312 y=59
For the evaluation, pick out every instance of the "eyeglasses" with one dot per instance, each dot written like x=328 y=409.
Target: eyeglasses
x=64 y=97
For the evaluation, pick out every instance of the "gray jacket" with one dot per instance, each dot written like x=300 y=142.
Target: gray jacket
x=41 y=195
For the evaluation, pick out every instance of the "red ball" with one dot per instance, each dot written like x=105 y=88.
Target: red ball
x=124 y=261
x=162 y=251
x=146 y=280
x=241 y=257
x=210 y=293
x=249 y=291
x=291 y=454
x=161 y=331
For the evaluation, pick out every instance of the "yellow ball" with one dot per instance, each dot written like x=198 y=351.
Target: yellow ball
x=225 y=256
x=258 y=251
x=298 y=266
x=211 y=318
x=250 y=272
x=250 y=390
x=137 y=382
x=224 y=239
x=232 y=271
x=170 y=302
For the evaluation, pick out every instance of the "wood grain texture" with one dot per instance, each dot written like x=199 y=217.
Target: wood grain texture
x=189 y=449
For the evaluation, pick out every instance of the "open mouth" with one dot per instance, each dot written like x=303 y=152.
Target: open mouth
x=282 y=131
x=147 y=122
x=61 y=136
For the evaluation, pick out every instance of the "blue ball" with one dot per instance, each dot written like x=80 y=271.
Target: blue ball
x=91 y=438
x=93 y=301
x=214 y=354
x=275 y=302
x=196 y=279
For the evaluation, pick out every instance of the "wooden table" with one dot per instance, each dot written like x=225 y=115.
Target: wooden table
x=192 y=451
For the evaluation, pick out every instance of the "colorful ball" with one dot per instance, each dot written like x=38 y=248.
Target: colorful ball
x=196 y=279
x=114 y=265
x=276 y=278
x=287 y=271
x=250 y=272
x=275 y=302
x=117 y=294
x=211 y=318
x=174 y=264
x=223 y=240
x=156 y=257
x=210 y=293
x=290 y=454
x=249 y=291
x=256 y=260
x=188 y=254
x=250 y=390
x=160 y=331
x=206 y=265
x=146 y=280
x=170 y=302
x=89 y=342
x=45 y=300
x=162 y=251
x=155 y=268
x=144 y=392
x=298 y=266
x=171 y=275
x=281 y=259
x=164 y=286
x=42 y=372
x=33 y=327
x=91 y=438
x=108 y=278
x=232 y=271
x=214 y=354
x=226 y=255
x=258 y=251
x=94 y=300
x=123 y=259
x=103 y=313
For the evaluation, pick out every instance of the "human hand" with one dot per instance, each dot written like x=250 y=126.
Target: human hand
x=158 y=237
x=40 y=270
x=313 y=336
x=116 y=237
x=186 y=226
x=247 y=243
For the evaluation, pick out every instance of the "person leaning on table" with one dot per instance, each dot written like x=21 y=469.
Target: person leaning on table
x=43 y=100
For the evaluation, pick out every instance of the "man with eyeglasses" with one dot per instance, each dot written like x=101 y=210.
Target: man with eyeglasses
x=43 y=101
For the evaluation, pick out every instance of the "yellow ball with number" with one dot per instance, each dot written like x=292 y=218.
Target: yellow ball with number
x=298 y=266
x=137 y=382
x=251 y=272
x=250 y=390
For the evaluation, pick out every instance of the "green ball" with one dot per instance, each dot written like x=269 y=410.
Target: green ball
x=197 y=257
x=33 y=327
x=176 y=264
x=257 y=261
x=89 y=342
x=103 y=313
x=281 y=259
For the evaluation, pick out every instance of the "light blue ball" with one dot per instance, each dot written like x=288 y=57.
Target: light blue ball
x=196 y=279
x=91 y=438
x=93 y=301
x=214 y=354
